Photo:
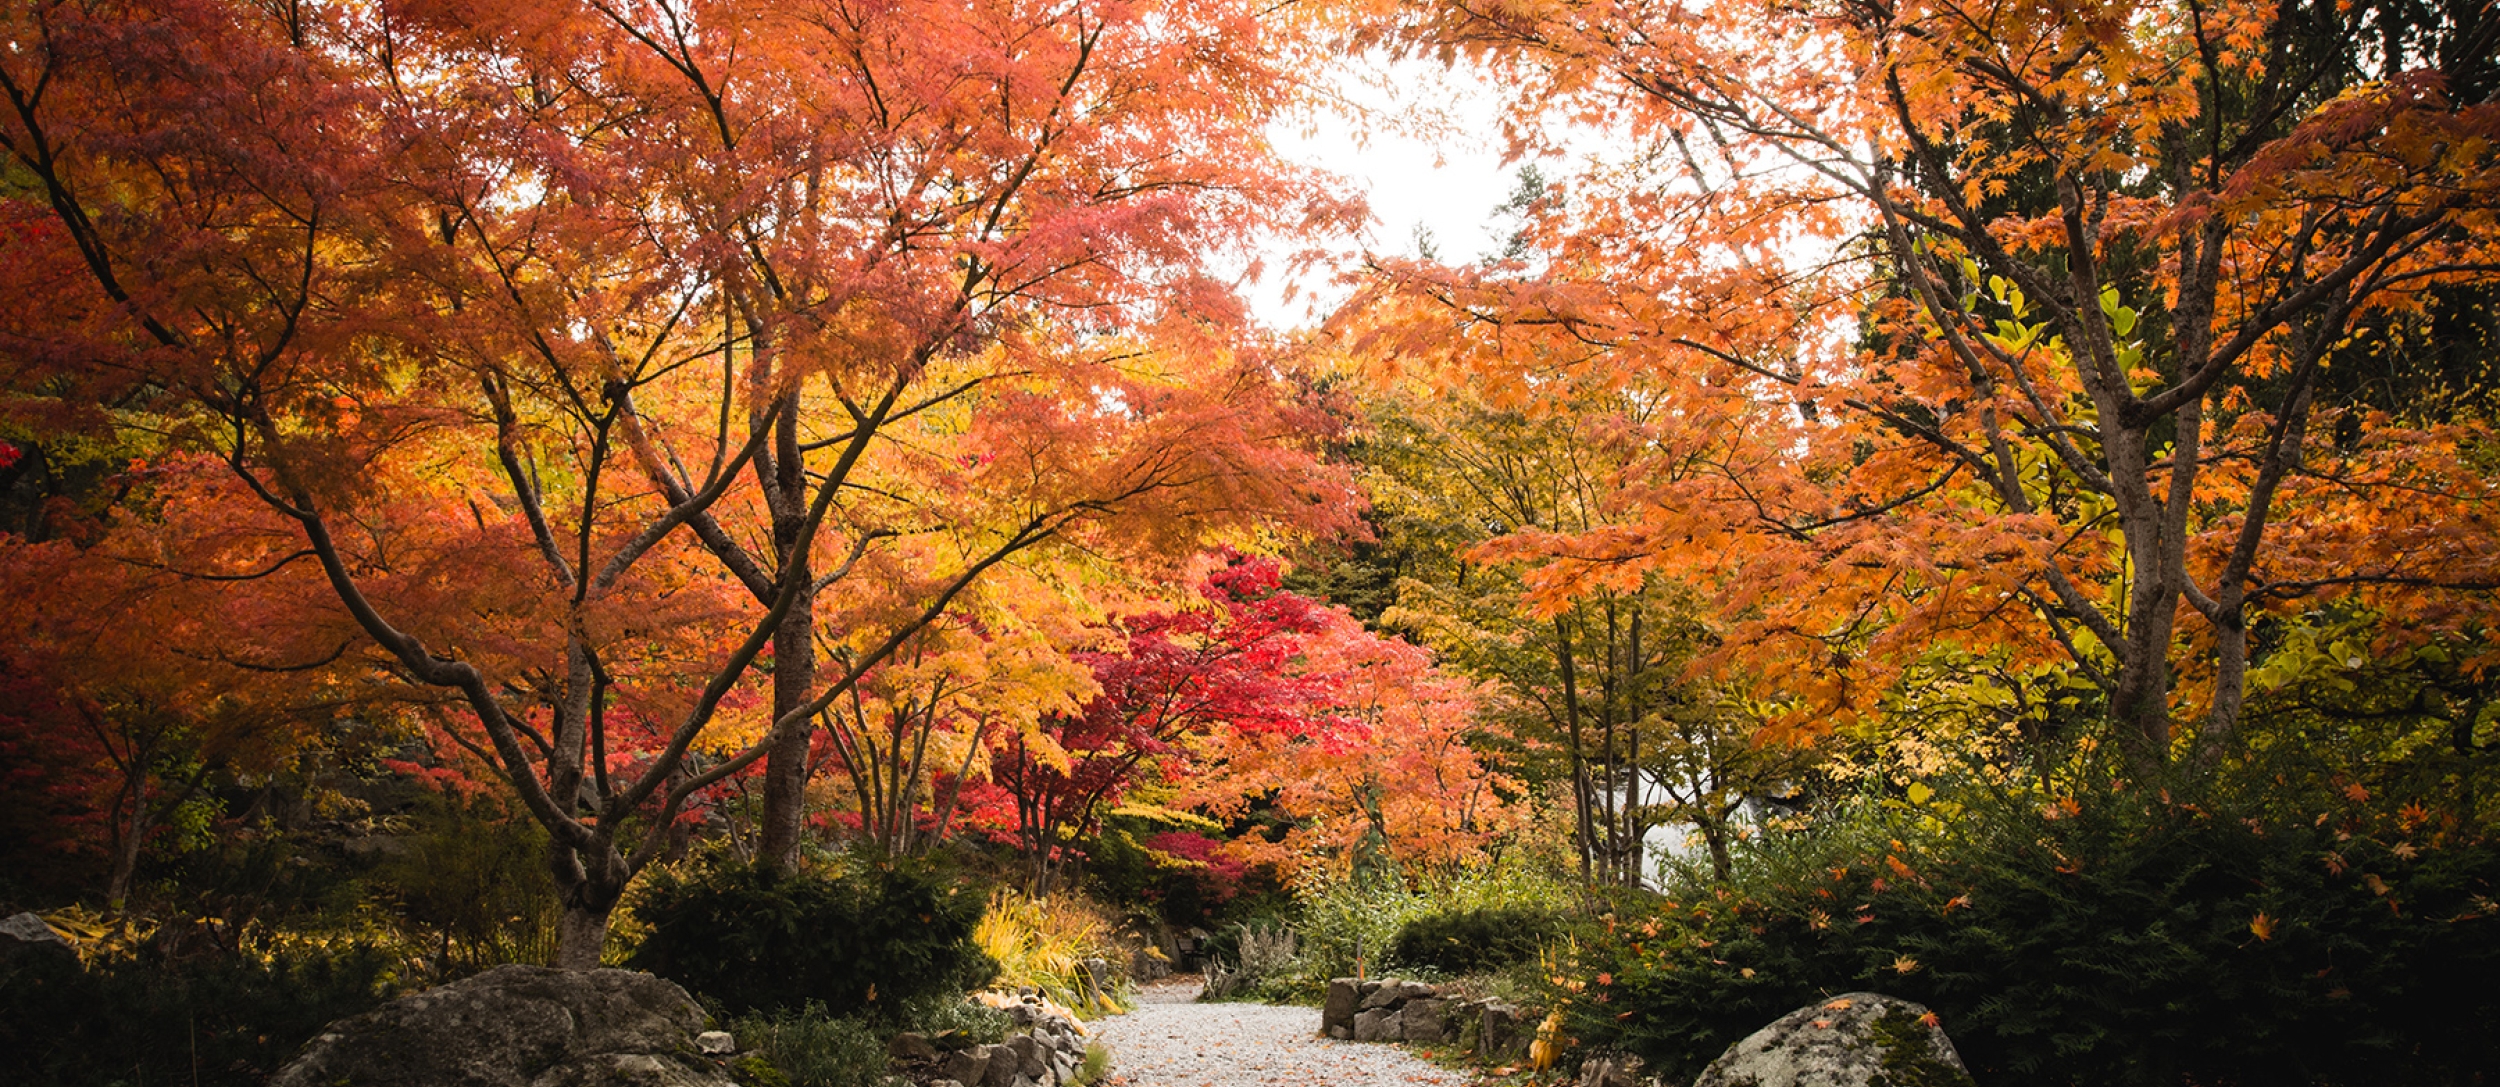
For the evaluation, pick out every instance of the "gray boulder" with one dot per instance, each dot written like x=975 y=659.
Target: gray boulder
x=1382 y=994
x=1344 y=997
x=1378 y=1025
x=1031 y=1058
x=25 y=940
x=969 y=1066
x=518 y=1026
x=1503 y=1032
x=1425 y=1020
x=1850 y=1040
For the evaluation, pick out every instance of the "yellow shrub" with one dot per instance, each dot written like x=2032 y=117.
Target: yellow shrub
x=1040 y=942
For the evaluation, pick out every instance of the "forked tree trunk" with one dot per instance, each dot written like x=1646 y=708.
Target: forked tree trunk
x=589 y=882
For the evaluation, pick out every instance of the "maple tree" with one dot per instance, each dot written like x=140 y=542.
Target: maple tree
x=946 y=177
x=1390 y=781
x=1173 y=678
x=1599 y=686
x=499 y=309
x=134 y=697
x=2026 y=315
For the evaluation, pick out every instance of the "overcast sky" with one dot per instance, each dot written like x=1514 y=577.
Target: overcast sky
x=1428 y=157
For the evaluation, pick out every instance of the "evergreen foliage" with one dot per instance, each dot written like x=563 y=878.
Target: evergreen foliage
x=872 y=938
x=2119 y=938
x=1474 y=941
x=214 y=1020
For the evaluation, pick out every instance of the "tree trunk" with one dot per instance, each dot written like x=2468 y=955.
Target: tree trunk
x=581 y=933
x=126 y=851
x=786 y=765
x=589 y=881
x=1714 y=835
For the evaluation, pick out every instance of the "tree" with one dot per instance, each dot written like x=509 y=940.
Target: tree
x=943 y=177
x=2034 y=305
x=1597 y=693
x=133 y=699
x=1172 y=679
x=1390 y=779
x=347 y=250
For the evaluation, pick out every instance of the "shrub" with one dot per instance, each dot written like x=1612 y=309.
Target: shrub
x=219 y=1019
x=1474 y=941
x=805 y=1047
x=1346 y=925
x=2116 y=939
x=1262 y=961
x=474 y=878
x=1042 y=942
x=872 y=938
x=956 y=1021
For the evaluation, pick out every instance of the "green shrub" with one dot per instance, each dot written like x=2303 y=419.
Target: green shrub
x=872 y=938
x=2120 y=940
x=1474 y=941
x=473 y=880
x=211 y=1020
x=1346 y=926
x=1258 y=961
x=953 y=1021
x=805 y=1047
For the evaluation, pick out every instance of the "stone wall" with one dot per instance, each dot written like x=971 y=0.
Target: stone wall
x=1394 y=1010
x=1047 y=1053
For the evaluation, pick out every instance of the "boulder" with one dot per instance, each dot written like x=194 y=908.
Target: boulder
x=1004 y=1066
x=910 y=1048
x=1425 y=1020
x=517 y=1026
x=969 y=1066
x=1382 y=994
x=1503 y=1032
x=25 y=940
x=1378 y=1025
x=1031 y=1059
x=1850 y=1040
x=1345 y=997
x=715 y=1043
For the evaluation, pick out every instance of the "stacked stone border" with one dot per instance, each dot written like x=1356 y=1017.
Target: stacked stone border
x=1048 y=1053
x=1396 y=1010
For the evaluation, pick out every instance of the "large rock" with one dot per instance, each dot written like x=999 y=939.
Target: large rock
x=1851 y=1040
x=1425 y=1020
x=1503 y=1032
x=1344 y=995
x=1378 y=1025
x=1031 y=1058
x=969 y=1066
x=518 y=1026
x=1382 y=994
x=27 y=942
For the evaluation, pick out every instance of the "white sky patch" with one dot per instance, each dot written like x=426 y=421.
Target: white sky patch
x=1424 y=145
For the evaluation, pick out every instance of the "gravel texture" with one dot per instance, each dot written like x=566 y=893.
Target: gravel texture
x=1170 y=1042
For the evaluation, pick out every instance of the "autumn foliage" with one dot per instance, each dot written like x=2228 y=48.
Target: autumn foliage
x=1941 y=444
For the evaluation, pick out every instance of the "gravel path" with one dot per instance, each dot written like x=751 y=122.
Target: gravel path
x=1170 y=1042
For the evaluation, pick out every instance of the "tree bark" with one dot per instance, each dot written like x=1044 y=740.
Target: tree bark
x=786 y=765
